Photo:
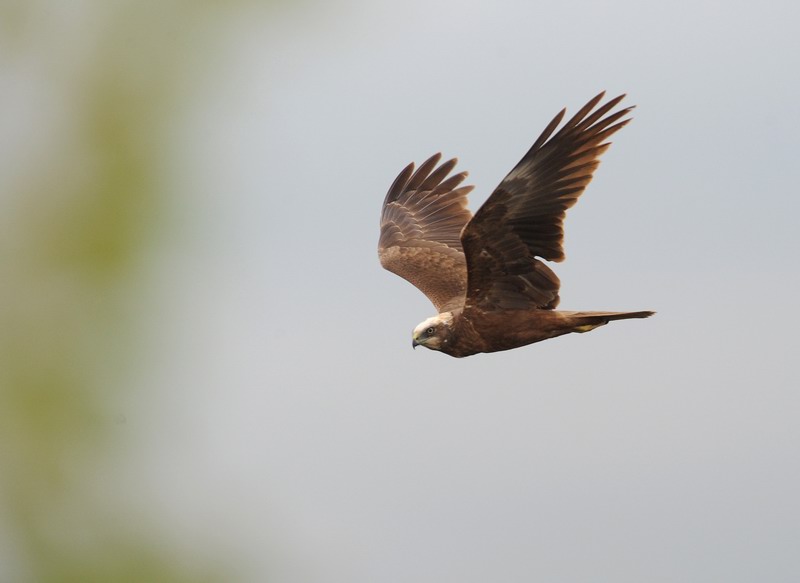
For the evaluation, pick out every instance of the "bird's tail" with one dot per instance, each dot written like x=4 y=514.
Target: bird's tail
x=585 y=321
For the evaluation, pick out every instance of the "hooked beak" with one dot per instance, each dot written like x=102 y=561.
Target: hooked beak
x=414 y=343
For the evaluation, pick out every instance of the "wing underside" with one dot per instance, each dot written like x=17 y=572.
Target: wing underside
x=423 y=215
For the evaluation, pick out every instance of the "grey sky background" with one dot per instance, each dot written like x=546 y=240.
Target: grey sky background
x=290 y=423
x=660 y=450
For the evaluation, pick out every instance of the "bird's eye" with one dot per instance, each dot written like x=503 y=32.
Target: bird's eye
x=430 y=331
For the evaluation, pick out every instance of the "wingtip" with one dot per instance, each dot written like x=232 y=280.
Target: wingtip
x=614 y=100
x=399 y=183
x=451 y=163
x=628 y=108
x=597 y=98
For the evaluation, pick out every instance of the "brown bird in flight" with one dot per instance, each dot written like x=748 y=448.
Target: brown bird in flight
x=482 y=273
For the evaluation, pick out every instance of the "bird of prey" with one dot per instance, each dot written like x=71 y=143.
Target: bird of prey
x=484 y=273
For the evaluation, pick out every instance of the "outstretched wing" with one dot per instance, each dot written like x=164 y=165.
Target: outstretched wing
x=524 y=217
x=421 y=222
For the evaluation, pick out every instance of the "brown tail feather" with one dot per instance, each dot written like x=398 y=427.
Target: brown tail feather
x=585 y=321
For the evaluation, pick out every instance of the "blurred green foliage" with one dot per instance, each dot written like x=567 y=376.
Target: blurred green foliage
x=80 y=213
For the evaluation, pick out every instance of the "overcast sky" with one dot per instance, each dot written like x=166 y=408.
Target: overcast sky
x=295 y=427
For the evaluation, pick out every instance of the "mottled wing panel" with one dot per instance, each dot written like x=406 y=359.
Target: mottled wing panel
x=524 y=217
x=421 y=222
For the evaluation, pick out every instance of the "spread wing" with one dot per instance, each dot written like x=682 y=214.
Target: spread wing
x=421 y=222
x=524 y=217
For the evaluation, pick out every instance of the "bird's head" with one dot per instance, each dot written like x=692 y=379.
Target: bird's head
x=433 y=333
